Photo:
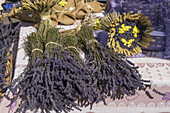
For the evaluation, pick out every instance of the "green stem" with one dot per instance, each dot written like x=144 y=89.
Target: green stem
x=45 y=22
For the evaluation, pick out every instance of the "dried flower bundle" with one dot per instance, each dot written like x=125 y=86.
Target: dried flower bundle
x=127 y=32
x=55 y=78
x=8 y=34
x=43 y=7
x=115 y=75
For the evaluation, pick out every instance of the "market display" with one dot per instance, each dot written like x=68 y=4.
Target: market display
x=70 y=69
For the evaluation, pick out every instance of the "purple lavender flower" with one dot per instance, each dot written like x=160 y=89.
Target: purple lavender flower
x=166 y=96
x=13 y=106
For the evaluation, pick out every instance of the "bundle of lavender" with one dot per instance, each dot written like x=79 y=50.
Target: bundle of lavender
x=55 y=78
x=8 y=35
x=115 y=75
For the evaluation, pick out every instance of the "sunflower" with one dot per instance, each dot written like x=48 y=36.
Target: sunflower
x=127 y=32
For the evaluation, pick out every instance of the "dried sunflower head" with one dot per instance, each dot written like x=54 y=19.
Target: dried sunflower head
x=127 y=32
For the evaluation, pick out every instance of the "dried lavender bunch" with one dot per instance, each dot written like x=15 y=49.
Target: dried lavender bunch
x=115 y=76
x=54 y=79
x=8 y=34
x=70 y=44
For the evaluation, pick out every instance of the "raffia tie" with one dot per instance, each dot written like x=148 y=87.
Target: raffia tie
x=53 y=43
x=73 y=47
x=37 y=49
x=92 y=40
